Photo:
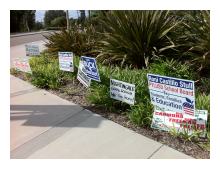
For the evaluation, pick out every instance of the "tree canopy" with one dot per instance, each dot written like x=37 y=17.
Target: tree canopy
x=50 y=15
x=22 y=20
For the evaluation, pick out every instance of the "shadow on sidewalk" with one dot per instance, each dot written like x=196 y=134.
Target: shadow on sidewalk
x=54 y=115
x=29 y=125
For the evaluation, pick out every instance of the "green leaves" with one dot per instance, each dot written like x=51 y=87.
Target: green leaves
x=46 y=73
x=194 y=39
x=80 y=41
x=141 y=114
x=135 y=34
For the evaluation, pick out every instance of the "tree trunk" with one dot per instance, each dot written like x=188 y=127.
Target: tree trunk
x=67 y=20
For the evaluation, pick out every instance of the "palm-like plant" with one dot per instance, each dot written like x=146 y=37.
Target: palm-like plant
x=135 y=37
x=197 y=38
x=79 y=40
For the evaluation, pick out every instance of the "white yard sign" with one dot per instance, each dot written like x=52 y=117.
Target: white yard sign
x=66 y=61
x=81 y=75
x=22 y=64
x=32 y=50
x=122 y=91
x=172 y=94
x=167 y=120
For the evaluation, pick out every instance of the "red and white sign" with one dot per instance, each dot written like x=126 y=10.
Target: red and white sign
x=22 y=65
x=167 y=120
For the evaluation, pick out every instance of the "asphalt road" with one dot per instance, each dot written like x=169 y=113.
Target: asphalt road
x=27 y=38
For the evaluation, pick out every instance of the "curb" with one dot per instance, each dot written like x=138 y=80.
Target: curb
x=32 y=33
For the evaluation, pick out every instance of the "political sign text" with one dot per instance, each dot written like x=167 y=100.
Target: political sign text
x=168 y=120
x=91 y=68
x=32 y=50
x=172 y=94
x=122 y=91
x=66 y=61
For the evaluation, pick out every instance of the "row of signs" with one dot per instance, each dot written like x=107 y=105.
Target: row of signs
x=173 y=98
x=87 y=67
x=88 y=71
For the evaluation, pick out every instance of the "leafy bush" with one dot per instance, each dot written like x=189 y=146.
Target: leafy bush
x=199 y=38
x=141 y=114
x=59 y=22
x=13 y=71
x=135 y=37
x=203 y=103
x=203 y=85
x=99 y=93
x=171 y=68
x=134 y=76
x=46 y=73
x=80 y=41
x=193 y=38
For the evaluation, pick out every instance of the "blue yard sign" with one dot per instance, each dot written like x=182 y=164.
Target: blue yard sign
x=91 y=68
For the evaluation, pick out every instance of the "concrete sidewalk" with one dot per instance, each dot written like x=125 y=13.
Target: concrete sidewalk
x=46 y=126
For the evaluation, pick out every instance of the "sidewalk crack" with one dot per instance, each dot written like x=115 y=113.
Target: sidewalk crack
x=155 y=151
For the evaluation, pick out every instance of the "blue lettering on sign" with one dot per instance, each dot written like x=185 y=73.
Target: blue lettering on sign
x=91 y=68
x=186 y=84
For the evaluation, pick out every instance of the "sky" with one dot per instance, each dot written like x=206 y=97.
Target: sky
x=40 y=14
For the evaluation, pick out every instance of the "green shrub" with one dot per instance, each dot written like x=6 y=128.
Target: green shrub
x=203 y=103
x=20 y=74
x=141 y=114
x=46 y=73
x=59 y=22
x=14 y=71
x=80 y=41
x=197 y=39
x=99 y=95
x=203 y=85
x=171 y=68
x=133 y=76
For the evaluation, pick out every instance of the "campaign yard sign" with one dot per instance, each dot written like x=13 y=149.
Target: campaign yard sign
x=32 y=50
x=173 y=94
x=91 y=68
x=122 y=91
x=66 y=61
x=22 y=64
x=167 y=120
x=81 y=75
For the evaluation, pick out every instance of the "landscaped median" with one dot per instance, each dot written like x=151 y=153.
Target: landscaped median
x=146 y=70
x=46 y=73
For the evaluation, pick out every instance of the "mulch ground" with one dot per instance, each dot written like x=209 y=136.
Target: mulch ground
x=75 y=92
